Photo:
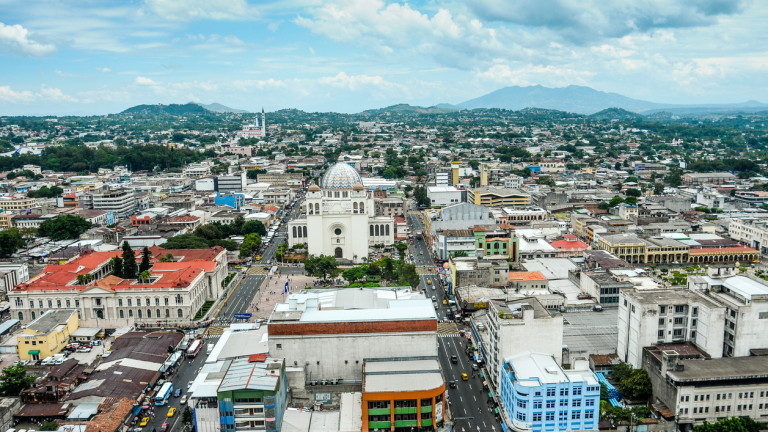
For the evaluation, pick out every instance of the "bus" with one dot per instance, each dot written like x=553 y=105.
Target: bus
x=161 y=398
x=194 y=348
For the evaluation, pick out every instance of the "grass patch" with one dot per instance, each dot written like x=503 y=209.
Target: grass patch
x=204 y=309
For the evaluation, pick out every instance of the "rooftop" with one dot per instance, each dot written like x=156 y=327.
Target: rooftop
x=731 y=368
x=244 y=374
x=50 y=320
x=401 y=375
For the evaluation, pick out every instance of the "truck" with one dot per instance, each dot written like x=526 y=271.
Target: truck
x=209 y=349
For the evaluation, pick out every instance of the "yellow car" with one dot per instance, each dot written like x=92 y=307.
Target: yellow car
x=464 y=377
x=144 y=421
x=258 y=258
x=171 y=412
x=429 y=281
x=445 y=302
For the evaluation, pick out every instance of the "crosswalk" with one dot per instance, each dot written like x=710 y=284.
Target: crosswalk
x=425 y=270
x=257 y=270
x=448 y=335
x=214 y=331
x=447 y=328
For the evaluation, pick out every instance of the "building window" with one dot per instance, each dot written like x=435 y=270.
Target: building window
x=50 y=304
x=157 y=302
x=77 y=303
x=662 y=310
x=139 y=313
x=40 y=304
x=130 y=313
x=119 y=302
x=167 y=313
x=122 y=315
x=576 y=415
x=149 y=313
x=146 y=301
x=179 y=300
x=67 y=302
x=577 y=391
x=33 y=314
x=180 y=313
x=550 y=392
x=58 y=303
x=550 y=416
x=31 y=303
x=550 y=404
x=129 y=303
x=166 y=301
x=537 y=417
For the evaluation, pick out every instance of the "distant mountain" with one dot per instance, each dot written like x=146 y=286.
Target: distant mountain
x=616 y=114
x=219 y=108
x=410 y=109
x=586 y=100
x=172 y=109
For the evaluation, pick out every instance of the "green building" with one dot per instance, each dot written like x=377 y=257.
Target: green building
x=252 y=395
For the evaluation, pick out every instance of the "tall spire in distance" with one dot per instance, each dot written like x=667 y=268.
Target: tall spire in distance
x=263 y=123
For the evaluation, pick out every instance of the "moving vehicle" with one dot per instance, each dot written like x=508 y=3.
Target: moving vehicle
x=453 y=384
x=434 y=298
x=464 y=377
x=445 y=302
x=177 y=393
x=454 y=359
x=144 y=421
x=83 y=350
x=429 y=281
x=161 y=398
x=171 y=412
x=194 y=348
x=164 y=427
x=106 y=354
x=474 y=366
x=183 y=400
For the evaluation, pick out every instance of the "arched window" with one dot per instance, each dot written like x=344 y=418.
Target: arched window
x=376 y=230
x=33 y=314
x=371 y=229
x=345 y=194
x=317 y=208
x=149 y=313
x=386 y=228
x=157 y=313
x=130 y=313
x=354 y=207
x=304 y=229
x=362 y=207
x=21 y=316
x=122 y=314
x=139 y=313
x=167 y=313
x=294 y=232
x=180 y=313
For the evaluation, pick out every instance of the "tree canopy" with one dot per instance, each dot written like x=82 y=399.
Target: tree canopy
x=10 y=241
x=732 y=424
x=251 y=243
x=14 y=379
x=322 y=266
x=64 y=227
x=251 y=227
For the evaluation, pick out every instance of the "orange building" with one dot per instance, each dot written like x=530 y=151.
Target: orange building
x=400 y=394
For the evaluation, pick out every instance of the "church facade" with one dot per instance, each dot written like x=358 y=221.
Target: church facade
x=339 y=218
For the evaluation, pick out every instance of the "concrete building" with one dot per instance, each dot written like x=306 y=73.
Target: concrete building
x=539 y=395
x=695 y=389
x=518 y=326
x=745 y=322
x=10 y=203
x=495 y=240
x=602 y=286
x=522 y=216
x=341 y=218
x=281 y=178
x=174 y=293
x=122 y=202
x=480 y=271
x=403 y=393
x=498 y=197
x=47 y=335
x=252 y=395
x=653 y=316
x=442 y=196
x=391 y=207
x=12 y=275
x=229 y=184
x=698 y=179
x=329 y=333
x=751 y=232
x=449 y=242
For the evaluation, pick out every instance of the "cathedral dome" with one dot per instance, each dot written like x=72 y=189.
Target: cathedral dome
x=340 y=176
x=314 y=188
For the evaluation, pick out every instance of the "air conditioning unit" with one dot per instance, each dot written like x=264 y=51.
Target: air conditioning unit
x=334 y=381
x=313 y=383
x=325 y=382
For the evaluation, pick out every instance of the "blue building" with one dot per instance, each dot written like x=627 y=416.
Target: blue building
x=253 y=394
x=540 y=396
x=234 y=200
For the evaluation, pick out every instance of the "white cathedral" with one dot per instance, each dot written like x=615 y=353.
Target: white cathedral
x=340 y=218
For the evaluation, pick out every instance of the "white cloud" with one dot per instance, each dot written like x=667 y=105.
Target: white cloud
x=16 y=38
x=527 y=75
x=7 y=94
x=55 y=95
x=354 y=82
x=189 y=10
x=144 y=81
x=104 y=70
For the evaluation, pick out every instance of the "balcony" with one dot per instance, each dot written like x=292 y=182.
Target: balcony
x=378 y=411
x=412 y=410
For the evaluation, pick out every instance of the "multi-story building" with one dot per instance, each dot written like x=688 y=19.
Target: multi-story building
x=122 y=202
x=174 y=293
x=6 y=220
x=229 y=184
x=253 y=394
x=480 y=271
x=751 y=232
x=517 y=326
x=523 y=216
x=197 y=170
x=698 y=179
x=13 y=203
x=495 y=240
x=281 y=178
x=12 y=275
x=696 y=389
x=391 y=207
x=652 y=316
x=449 y=242
x=498 y=197
x=47 y=335
x=442 y=196
x=602 y=286
x=403 y=393
x=538 y=395
x=330 y=333
x=745 y=320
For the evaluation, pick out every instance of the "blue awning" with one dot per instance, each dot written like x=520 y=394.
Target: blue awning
x=136 y=410
x=474 y=357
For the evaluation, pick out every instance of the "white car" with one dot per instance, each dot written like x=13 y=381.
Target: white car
x=83 y=350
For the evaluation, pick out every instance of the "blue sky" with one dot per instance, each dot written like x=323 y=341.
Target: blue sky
x=97 y=57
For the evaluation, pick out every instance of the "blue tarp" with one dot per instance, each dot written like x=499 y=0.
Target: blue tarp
x=614 y=402
x=136 y=410
x=612 y=392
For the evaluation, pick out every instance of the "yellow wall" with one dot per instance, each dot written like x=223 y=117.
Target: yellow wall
x=49 y=343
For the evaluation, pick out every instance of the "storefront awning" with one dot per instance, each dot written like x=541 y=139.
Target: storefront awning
x=34 y=352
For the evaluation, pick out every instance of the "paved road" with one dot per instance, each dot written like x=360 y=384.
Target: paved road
x=468 y=400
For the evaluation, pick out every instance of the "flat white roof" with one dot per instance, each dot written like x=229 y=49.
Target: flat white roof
x=402 y=375
x=528 y=365
x=744 y=286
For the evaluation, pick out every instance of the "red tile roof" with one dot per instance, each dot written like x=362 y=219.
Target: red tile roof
x=569 y=244
x=526 y=276
x=741 y=249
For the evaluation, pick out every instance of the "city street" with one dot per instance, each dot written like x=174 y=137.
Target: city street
x=469 y=401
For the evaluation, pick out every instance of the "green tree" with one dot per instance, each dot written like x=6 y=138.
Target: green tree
x=64 y=227
x=10 y=241
x=458 y=254
x=251 y=227
x=322 y=266
x=401 y=248
x=186 y=417
x=49 y=426
x=145 y=260
x=144 y=276
x=621 y=371
x=117 y=267
x=15 y=379
x=658 y=188
x=548 y=181
x=631 y=200
x=130 y=269
x=732 y=424
x=420 y=195
x=633 y=192
x=616 y=200
x=373 y=270
x=251 y=243
x=167 y=258
x=353 y=274
x=675 y=177
x=388 y=272
x=407 y=275
x=186 y=241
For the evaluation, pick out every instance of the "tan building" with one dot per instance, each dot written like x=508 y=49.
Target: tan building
x=47 y=335
x=498 y=197
x=5 y=221
x=11 y=203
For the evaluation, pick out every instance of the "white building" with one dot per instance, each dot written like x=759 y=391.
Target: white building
x=121 y=201
x=518 y=326
x=340 y=218
x=442 y=196
x=12 y=275
x=328 y=333
x=751 y=232
x=651 y=316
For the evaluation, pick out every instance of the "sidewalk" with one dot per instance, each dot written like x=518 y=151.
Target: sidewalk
x=272 y=291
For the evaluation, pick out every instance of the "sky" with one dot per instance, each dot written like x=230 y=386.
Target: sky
x=98 y=57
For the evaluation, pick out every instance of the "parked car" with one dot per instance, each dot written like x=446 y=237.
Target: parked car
x=106 y=354
x=84 y=350
x=96 y=343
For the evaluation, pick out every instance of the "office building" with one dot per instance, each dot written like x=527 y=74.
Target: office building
x=252 y=395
